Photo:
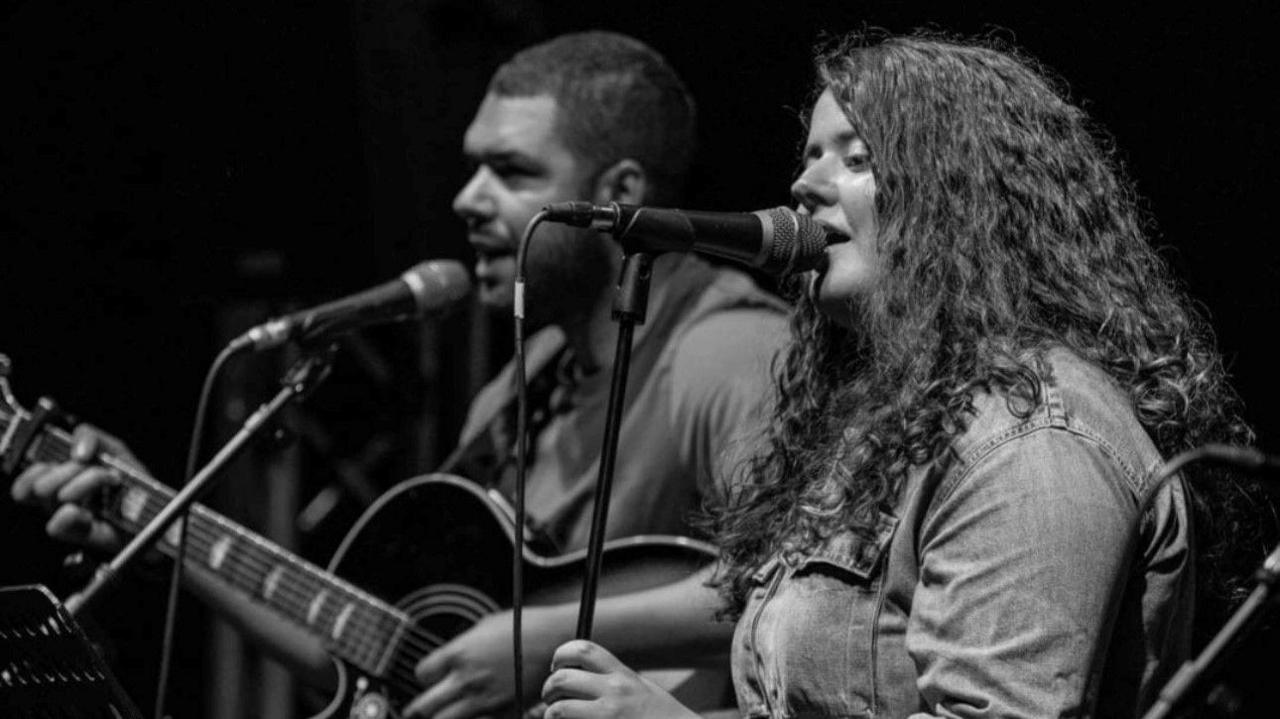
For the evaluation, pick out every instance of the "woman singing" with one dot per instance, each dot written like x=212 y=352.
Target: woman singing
x=951 y=512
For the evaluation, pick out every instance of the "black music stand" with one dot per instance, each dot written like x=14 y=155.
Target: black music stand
x=48 y=668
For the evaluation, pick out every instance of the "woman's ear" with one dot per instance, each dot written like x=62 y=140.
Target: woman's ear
x=624 y=182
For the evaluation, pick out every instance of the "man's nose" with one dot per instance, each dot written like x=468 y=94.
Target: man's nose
x=474 y=199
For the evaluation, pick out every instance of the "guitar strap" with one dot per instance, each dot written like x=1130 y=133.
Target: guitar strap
x=490 y=453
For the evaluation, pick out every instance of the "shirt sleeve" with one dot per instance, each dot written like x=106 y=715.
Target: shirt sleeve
x=1023 y=557
x=720 y=385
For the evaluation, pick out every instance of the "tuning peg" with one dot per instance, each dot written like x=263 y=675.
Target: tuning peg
x=5 y=365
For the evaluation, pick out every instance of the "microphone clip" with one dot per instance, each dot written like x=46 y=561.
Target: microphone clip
x=578 y=213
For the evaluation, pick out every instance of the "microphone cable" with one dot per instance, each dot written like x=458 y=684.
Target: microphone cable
x=175 y=574
x=517 y=544
x=1194 y=673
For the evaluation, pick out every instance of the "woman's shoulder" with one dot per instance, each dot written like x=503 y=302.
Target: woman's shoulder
x=1077 y=402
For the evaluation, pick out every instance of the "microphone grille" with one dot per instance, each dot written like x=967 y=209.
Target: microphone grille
x=438 y=285
x=799 y=243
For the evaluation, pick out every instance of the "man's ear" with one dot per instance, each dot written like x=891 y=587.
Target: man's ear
x=624 y=182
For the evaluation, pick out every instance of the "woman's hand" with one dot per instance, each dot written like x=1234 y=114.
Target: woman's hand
x=588 y=682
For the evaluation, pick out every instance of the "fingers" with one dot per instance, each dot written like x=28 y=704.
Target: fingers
x=49 y=484
x=432 y=668
x=72 y=523
x=566 y=684
x=86 y=442
x=584 y=654
x=42 y=483
x=446 y=699
x=86 y=484
x=91 y=441
x=23 y=489
x=570 y=709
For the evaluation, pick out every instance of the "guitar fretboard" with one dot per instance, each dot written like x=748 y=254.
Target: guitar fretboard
x=355 y=625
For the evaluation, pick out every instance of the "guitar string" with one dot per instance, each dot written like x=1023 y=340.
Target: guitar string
x=303 y=584
x=294 y=593
x=414 y=637
x=47 y=451
x=365 y=627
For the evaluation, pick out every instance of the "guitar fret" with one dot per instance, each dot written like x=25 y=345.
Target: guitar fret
x=349 y=620
x=237 y=565
x=340 y=621
x=173 y=534
x=272 y=583
x=355 y=626
x=9 y=432
x=395 y=635
x=316 y=606
x=218 y=552
x=284 y=595
x=367 y=643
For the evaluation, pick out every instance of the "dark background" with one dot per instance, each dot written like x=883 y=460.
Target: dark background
x=174 y=172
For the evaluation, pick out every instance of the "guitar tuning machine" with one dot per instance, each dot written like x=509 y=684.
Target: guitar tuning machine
x=5 y=365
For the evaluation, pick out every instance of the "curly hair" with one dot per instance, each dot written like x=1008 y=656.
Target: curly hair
x=618 y=98
x=1005 y=226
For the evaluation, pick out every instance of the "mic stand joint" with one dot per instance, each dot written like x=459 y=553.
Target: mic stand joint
x=298 y=381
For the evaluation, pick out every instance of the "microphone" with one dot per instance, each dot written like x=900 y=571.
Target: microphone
x=778 y=241
x=427 y=288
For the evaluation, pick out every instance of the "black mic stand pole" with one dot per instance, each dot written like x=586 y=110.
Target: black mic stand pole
x=1205 y=666
x=629 y=307
x=305 y=374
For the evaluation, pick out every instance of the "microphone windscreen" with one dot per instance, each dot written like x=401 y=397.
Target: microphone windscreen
x=798 y=244
x=438 y=285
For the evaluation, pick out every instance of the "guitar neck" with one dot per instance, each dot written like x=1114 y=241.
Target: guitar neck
x=354 y=624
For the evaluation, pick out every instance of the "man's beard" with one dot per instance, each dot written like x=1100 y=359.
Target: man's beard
x=568 y=271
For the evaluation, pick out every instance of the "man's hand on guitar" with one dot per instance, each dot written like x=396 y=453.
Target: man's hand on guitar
x=471 y=675
x=68 y=489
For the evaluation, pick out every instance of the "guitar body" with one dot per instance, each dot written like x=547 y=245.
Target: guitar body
x=424 y=563
x=439 y=548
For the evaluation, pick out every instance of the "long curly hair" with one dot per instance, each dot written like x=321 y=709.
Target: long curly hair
x=1005 y=226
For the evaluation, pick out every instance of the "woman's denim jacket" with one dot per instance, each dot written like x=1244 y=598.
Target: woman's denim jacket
x=1013 y=579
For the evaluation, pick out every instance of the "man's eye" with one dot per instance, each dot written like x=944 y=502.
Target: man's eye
x=505 y=170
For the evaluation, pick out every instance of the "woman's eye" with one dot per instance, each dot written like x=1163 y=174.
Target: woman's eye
x=858 y=161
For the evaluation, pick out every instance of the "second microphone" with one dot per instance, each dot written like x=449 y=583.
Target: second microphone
x=778 y=241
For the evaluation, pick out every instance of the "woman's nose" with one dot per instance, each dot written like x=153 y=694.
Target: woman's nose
x=813 y=190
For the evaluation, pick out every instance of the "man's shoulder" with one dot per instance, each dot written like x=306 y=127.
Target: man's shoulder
x=733 y=322
x=731 y=306
x=540 y=348
x=729 y=332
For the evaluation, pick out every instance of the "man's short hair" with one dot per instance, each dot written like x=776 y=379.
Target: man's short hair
x=616 y=98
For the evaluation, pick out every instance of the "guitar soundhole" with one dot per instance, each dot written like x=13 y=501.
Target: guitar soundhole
x=446 y=610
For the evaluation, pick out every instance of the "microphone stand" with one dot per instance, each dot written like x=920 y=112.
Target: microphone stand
x=299 y=380
x=1245 y=619
x=629 y=307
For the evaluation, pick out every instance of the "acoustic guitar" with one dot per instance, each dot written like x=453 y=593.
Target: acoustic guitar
x=424 y=562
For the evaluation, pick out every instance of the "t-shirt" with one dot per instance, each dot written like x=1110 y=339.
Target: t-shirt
x=700 y=368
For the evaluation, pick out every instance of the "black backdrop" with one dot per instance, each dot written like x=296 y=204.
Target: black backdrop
x=169 y=170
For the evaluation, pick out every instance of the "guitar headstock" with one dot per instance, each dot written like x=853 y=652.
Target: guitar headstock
x=20 y=427
x=9 y=406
